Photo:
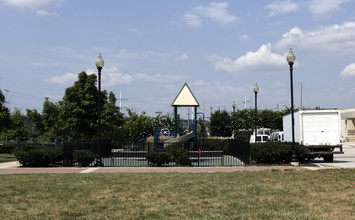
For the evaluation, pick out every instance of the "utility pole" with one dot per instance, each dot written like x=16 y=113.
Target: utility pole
x=245 y=101
x=121 y=99
x=301 y=107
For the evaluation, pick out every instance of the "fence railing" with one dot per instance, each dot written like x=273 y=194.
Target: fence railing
x=209 y=153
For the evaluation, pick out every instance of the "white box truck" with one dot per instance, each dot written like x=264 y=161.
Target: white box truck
x=318 y=130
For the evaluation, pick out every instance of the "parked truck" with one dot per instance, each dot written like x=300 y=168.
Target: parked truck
x=318 y=130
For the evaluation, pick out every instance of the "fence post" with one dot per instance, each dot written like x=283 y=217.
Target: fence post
x=222 y=159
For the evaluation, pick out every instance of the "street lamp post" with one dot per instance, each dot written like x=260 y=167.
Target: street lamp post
x=291 y=60
x=256 y=90
x=99 y=65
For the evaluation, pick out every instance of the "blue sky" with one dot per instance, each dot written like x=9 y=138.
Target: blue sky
x=151 y=48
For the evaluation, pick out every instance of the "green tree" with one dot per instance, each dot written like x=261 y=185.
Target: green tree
x=17 y=129
x=51 y=120
x=270 y=119
x=138 y=126
x=112 y=120
x=243 y=119
x=220 y=124
x=37 y=119
x=78 y=109
x=4 y=113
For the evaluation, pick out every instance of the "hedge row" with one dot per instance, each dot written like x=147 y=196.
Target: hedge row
x=179 y=156
x=38 y=156
x=261 y=153
x=276 y=152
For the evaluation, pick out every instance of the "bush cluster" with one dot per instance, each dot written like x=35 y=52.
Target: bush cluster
x=179 y=156
x=276 y=152
x=158 y=158
x=38 y=156
x=83 y=157
x=7 y=148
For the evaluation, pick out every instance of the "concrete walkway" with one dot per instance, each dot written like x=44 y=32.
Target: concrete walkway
x=13 y=168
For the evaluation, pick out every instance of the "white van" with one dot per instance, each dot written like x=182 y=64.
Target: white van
x=262 y=136
x=277 y=136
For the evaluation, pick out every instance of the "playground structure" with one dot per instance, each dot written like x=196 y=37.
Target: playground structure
x=185 y=98
x=183 y=130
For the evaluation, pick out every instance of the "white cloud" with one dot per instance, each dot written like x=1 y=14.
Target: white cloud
x=45 y=13
x=334 y=39
x=244 y=37
x=64 y=79
x=192 y=20
x=261 y=60
x=112 y=77
x=183 y=57
x=277 y=84
x=349 y=71
x=281 y=7
x=42 y=12
x=28 y=3
x=216 y=11
x=135 y=30
x=143 y=77
x=321 y=7
x=36 y=5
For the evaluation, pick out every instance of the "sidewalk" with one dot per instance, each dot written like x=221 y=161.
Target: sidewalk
x=14 y=168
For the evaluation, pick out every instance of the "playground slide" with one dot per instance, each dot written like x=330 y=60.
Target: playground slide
x=181 y=139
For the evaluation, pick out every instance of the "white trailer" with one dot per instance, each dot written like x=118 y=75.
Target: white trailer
x=318 y=130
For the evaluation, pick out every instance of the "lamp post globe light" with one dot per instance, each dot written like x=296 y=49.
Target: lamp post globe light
x=291 y=60
x=99 y=65
x=256 y=90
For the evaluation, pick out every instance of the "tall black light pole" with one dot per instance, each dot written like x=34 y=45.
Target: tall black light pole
x=256 y=90
x=99 y=65
x=291 y=60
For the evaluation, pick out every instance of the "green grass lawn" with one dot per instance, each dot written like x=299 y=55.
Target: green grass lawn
x=273 y=194
x=7 y=157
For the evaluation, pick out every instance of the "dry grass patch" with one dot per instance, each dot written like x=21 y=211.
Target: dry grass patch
x=7 y=157
x=326 y=194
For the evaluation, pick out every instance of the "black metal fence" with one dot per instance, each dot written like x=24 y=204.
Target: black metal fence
x=209 y=153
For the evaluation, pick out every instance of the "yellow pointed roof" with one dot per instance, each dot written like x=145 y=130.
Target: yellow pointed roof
x=185 y=98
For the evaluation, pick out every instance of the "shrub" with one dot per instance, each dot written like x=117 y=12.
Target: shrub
x=181 y=157
x=217 y=144
x=37 y=156
x=276 y=152
x=7 y=148
x=83 y=157
x=158 y=158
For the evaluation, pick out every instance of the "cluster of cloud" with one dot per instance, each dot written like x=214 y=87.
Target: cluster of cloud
x=216 y=11
x=261 y=60
x=113 y=77
x=280 y=7
x=320 y=7
x=315 y=7
x=349 y=71
x=334 y=39
x=35 y=5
